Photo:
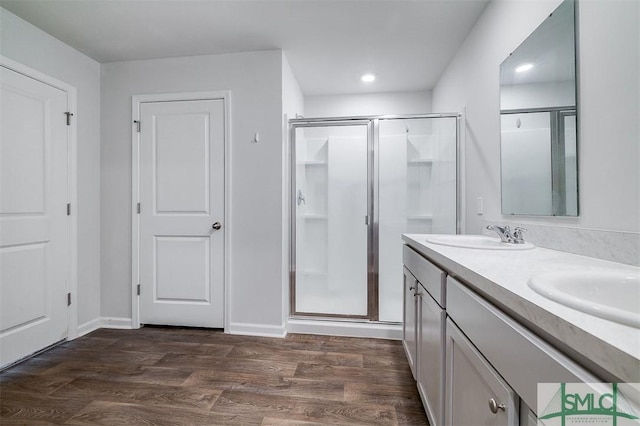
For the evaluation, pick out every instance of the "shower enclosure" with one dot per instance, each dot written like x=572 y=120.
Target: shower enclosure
x=357 y=184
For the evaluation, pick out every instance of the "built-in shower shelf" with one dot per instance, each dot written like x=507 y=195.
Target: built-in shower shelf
x=315 y=163
x=311 y=272
x=315 y=216
x=420 y=161
x=420 y=217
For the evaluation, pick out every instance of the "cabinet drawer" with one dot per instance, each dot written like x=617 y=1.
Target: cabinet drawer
x=432 y=278
x=522 y=358
x=473 y=385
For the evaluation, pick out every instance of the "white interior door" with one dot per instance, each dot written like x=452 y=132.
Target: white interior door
x=34 y=229
x=182 y=213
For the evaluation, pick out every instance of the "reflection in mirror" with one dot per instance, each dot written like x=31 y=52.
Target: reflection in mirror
x=538 y=121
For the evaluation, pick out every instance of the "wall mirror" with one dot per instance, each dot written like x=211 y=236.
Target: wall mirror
x=538 y=121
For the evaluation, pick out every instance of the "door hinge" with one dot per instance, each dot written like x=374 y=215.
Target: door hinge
x=69 y=209
x=366 y=220
x=137 y=125
x=68 y=299
x=69 y=115
x=138 y=208
x=138 y=289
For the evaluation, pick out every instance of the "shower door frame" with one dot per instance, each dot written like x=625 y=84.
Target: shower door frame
x=372 y=311
x=373 y=138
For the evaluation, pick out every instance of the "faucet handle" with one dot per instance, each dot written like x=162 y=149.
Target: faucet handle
x=518 y=235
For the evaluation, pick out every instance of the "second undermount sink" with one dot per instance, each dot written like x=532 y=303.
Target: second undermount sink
x=610 y=294
x=475 y=241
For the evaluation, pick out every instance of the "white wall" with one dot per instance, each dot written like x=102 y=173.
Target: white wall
x=608 y=109
x=255 y=226
x=368 y=104
x=34 y=48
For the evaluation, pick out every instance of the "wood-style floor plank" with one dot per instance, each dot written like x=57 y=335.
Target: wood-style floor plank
x=341 y=374
x=191 y=376
x=31 y=383
x=106 y=356
x=267 y=384
x=305 y=409
x=248 y=351
x=29 y=407
x=112 y=414
x=140 y=393
x=286 y=368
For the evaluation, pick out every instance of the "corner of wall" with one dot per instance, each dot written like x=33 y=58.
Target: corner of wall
x=292 y=106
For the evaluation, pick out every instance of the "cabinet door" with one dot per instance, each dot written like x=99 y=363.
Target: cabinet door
x=431 y=354
x=475 y=394
x=409 y=329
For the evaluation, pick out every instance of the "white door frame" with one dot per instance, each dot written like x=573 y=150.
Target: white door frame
x=136 y=102
x=72 y=186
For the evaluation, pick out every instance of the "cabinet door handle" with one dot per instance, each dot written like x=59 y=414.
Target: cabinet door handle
x=411 y=288
x=495 y=407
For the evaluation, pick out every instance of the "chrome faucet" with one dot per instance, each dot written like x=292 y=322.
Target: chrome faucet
x=504 y=232
x=518 y=235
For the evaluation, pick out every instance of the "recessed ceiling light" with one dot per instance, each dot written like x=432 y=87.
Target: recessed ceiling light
x=524 y=67
x=368 y=78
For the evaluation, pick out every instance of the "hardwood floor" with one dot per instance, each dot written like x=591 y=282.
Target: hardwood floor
x=184 y=376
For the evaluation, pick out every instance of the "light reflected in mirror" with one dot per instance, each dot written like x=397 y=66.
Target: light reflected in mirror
x=538 y=121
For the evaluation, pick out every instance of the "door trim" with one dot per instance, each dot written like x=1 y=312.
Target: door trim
x=136 y=101
x=72 y=186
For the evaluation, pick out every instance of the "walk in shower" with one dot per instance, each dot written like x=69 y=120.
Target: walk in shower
x=357 y=184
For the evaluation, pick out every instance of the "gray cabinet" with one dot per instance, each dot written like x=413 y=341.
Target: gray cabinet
x=476 y=394
x=431 y=355
x=522 y=358
x=473 y=363
x=409 y=325
x=424 y=330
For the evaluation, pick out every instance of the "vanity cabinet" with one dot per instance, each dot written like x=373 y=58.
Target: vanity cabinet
x=424 y=329
x=431 y=355
x=474 y=364
x=476 y=394
x=409 y=325
x=521 y=357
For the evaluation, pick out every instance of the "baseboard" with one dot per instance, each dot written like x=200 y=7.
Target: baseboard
x=248 y=329
x=303 y=326
x=111 y=322
x=104 y=322
x=345 y=328
x=89 y=326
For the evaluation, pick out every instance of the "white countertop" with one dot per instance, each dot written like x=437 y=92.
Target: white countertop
x=502 y=275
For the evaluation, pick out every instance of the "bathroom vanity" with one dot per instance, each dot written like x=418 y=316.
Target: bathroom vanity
x=479 y=339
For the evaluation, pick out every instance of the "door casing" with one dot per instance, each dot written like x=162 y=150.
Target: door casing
x=72 y=187
x=136 y=102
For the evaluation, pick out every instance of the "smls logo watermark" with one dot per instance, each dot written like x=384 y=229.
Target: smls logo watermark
x=577 y=404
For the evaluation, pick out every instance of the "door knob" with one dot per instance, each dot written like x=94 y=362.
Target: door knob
x=216 y=226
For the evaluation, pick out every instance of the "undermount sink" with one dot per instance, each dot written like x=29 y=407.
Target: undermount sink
x=610 y=294
x=475 y=241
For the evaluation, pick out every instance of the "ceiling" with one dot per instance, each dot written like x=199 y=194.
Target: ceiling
x=329 y=43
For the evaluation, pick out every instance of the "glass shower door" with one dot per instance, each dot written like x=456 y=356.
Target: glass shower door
x=417 y=194
x=331 y=203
